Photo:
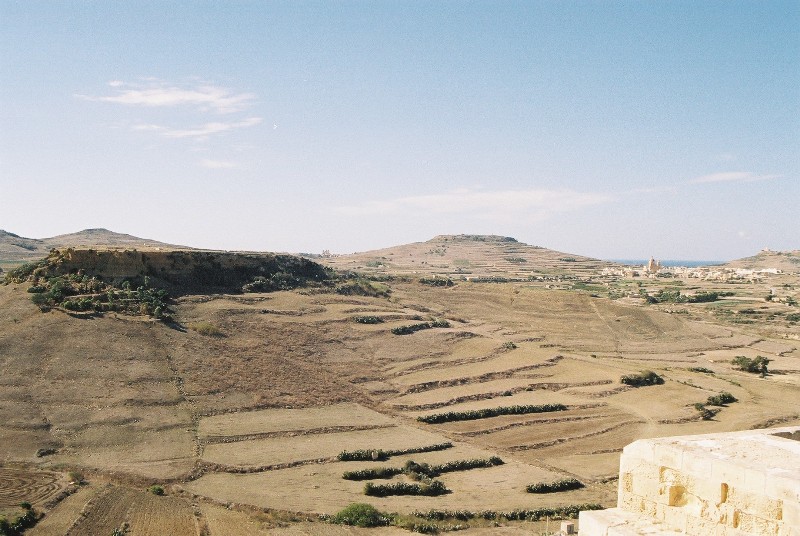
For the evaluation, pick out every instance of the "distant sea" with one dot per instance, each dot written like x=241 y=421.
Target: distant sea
x=688 y=264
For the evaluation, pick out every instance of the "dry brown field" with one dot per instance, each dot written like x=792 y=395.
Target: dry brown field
x=254 y=418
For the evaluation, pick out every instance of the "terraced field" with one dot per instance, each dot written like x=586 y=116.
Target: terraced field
x=254 y=416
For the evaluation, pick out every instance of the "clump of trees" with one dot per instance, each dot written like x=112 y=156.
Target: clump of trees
x=644 y=378
x=17 y=525
x=759 y=365
x=80 y=292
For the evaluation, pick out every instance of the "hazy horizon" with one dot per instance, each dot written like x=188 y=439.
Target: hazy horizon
x=611 y=130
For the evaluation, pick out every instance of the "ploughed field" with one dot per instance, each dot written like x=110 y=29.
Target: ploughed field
x=243 y=424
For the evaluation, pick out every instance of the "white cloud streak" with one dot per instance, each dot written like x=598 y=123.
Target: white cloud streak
x=732 y=176
x=217 y=164
x=156 y=93
x=201 y=132
x=500 y=205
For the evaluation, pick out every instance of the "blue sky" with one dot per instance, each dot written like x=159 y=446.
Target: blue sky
x=609 y=129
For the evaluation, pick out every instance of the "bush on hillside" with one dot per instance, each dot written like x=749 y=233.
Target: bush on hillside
x=360 y=515
x=756 y=366
x=553 y=487
x=644 y=378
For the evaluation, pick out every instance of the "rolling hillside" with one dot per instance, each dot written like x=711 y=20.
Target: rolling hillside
x=468 y=256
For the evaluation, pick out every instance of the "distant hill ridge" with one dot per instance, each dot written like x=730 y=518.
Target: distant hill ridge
x=15 y=249
x=470 y=256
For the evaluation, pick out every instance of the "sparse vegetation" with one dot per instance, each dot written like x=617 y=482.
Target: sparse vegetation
x=486 y=413
x=206 y=328
x=363 y=287
x=554 y=487
x=644 y=378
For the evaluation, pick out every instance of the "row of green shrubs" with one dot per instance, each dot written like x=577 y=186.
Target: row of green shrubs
x=413 y=328
x=436 y=281
x=430 y=488
x=412 y=468
x=554 y=487
x=370 y=319
x=365 y=515
x=757 y=365
x=534 y=514
x=452 y=416
x=365 y=455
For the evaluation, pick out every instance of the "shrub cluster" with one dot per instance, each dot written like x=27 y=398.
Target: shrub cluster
x=756 y=366
x=413 y=328
x=79 y=292
x=701 y=369
x=432 y=489
x=418 y=471
x=554 y=487
x=452 y=416
x=20 y=523
x=647 y=377
x=706 y=413
x=721 y=399
x=535 y=514
x=275 y=282
x=368 y=320
x=370 y=474
x=362 y=287
x=363 y=455
x=361 y=515
x=436 y=281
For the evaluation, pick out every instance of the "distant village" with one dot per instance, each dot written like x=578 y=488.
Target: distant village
x=654 y=269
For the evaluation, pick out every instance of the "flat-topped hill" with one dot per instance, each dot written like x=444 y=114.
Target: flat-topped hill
x=179 y=270
x=469 y=256
x=786 y=261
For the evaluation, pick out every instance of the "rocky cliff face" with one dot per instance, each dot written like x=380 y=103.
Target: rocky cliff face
x=178 y=270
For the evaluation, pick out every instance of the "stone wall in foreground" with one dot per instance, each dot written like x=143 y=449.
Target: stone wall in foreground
x=730 y=484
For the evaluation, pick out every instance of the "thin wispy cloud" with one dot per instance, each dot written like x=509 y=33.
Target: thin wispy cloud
x=201 y=132
x=500 y=205
x=217 y=164
x=732 y=176
x=157 y=93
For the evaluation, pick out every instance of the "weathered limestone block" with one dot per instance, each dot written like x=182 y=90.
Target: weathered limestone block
x=731 y=484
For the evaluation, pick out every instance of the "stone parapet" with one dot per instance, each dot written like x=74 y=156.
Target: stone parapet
x=731 y=484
